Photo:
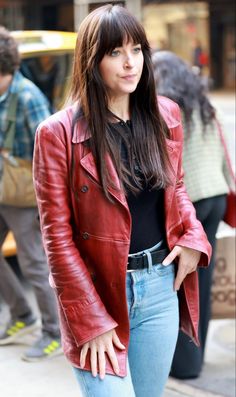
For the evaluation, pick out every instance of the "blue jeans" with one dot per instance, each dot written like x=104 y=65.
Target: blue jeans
x=154 y=323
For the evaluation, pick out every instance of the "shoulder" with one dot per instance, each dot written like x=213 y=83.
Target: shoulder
x=169 y=110
x=57 y=125
x=32 y=92
x=61 y=125
x=28 y=92
x=58 y=119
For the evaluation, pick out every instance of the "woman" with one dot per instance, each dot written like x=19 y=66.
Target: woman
x=206 y=179
x=115 y=215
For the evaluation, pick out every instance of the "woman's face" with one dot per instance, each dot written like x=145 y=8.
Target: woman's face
x=121 y=69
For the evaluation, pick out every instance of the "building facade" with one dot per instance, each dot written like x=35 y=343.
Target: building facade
x=170 y=24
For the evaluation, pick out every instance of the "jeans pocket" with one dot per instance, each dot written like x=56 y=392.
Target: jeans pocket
x=162 y=270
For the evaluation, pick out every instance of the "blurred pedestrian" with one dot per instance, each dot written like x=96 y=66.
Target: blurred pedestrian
x=32 y=108
x=206 y=179
x=199 y=57
x=115 y=215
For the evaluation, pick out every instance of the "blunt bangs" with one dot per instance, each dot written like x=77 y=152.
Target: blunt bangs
x=117 y=27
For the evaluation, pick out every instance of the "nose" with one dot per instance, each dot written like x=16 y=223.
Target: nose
x=129 y=62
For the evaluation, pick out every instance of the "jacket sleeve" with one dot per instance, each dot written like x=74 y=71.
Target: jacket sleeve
x=83 y=309
x=194 y=235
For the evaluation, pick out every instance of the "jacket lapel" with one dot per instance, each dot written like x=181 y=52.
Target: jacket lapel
x=81 y=134
x=88 y=163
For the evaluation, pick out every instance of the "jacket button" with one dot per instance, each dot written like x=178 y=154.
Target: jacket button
x=84 y=189
x=85 y=236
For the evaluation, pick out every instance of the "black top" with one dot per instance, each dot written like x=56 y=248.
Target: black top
x=146 y=208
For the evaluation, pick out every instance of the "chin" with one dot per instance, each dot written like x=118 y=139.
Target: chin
x=129 y=90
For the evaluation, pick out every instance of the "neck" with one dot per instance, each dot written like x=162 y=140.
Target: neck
x=5 y=81
x=120 y=107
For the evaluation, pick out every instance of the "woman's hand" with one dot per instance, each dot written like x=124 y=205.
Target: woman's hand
x=98 y=347
x=188 y=260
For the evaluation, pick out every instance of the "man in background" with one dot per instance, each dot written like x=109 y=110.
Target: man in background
x=32 y=108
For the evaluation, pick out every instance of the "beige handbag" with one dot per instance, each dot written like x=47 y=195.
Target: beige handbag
x=16 y=182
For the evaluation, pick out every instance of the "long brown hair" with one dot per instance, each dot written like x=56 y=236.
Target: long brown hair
x=104 y=29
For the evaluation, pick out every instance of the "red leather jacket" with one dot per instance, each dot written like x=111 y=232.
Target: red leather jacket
x=87 y=238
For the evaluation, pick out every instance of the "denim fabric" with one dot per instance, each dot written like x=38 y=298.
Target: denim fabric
x=154 y=322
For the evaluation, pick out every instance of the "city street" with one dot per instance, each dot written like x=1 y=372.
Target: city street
x=54 y=378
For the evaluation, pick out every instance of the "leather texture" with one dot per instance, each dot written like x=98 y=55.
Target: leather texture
x=87 y=238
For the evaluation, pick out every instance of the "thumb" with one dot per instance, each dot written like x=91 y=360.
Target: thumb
x=170 y=258
x=117 y=341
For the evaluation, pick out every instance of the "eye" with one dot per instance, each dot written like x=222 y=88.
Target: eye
x=115 y=53
x=137 y=49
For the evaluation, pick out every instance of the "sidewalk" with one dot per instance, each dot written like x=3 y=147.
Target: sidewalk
x=54 y=378
x=218 y=375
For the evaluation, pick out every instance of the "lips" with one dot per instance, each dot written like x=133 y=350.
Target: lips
x=129 y=77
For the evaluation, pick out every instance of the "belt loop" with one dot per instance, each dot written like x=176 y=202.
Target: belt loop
x=149 y=258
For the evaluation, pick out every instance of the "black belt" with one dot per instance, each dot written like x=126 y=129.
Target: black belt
x=141 y=261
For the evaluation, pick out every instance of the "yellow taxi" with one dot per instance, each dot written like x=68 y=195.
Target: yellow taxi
x=47 y=58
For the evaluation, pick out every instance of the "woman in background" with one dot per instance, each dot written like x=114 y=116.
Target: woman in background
x=206 y=180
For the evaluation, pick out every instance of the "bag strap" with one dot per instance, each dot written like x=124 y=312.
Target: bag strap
x=227 y=157
x=11 y=117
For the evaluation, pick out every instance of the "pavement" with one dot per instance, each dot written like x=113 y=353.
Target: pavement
x=54 y=378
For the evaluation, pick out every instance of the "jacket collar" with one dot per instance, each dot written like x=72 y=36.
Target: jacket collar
x=82 y=133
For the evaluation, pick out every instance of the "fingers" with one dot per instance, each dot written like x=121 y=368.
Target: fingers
x=113 y=359
x=172 y=255
x=102 y=363
x=117 y=341
x=187 y=263
x=188 y=260
x=180 y=276
x=83 y=354
x=99 y=347
x=183 y=271
x=93 y=361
